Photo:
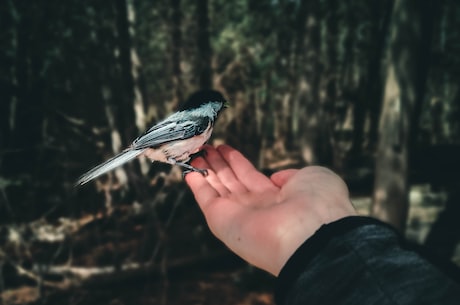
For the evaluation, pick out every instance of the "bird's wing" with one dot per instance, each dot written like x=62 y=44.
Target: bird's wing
x=171 y=130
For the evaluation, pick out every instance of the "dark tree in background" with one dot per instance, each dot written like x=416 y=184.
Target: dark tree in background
x=176 y=48
x=369 y=100
x=406 y=73
x=368 y=88
x=203 y=45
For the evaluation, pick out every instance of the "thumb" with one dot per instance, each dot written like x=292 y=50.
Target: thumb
x=281 y=177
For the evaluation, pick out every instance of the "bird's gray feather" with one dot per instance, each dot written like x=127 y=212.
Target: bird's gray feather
x=169 y=131
x=108 y=165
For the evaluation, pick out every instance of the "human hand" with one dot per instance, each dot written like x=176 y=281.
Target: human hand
x=264 y=220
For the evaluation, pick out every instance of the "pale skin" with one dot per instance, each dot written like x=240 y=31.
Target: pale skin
x=265 y=219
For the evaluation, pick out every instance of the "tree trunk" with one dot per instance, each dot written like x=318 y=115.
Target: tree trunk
x=315 y=144
x=298 y=81
x=27 y=105
x=401 y=94
x=8 y=89
x=369 y=93
x=429 y=11
x=204 y=46
x=132 y=105
x=176 y=47
x=129 y=115
x=382 y=14
x=332 y=38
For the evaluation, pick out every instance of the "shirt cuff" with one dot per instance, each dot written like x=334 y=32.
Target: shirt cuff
x=298 y=262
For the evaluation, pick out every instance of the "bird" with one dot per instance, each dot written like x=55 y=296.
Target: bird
x=172 y=140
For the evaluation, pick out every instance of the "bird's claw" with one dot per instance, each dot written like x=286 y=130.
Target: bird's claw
x=203 y=172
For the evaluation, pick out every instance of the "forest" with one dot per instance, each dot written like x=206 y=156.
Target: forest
x=369 y=89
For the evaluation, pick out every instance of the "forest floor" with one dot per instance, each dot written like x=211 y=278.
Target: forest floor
x=232 y=282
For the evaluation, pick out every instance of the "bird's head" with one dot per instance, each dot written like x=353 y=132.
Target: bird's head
x=208 y=100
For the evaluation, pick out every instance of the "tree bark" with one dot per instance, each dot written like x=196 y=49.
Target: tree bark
x=132 y=109
x=204 y=46
x=129 y=115
x=176 y=47
x=314 y=137
x=374 y=88
x=401 y=95
x=332 y=53
x=27 y=105
x=8 y=89
x=298 y=81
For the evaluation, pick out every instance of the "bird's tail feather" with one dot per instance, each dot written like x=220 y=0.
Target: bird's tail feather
x=108 y=165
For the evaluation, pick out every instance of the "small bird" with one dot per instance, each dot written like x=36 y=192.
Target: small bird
x=174 y=139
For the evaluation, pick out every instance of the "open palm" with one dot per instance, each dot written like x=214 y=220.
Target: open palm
x=264 y=220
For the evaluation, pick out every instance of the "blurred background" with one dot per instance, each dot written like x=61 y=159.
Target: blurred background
x=367 y=88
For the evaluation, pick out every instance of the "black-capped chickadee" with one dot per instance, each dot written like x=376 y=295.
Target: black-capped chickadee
x=174 y=139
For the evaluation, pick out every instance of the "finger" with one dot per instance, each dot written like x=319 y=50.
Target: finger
x=245 y=172
x=211 y=177
x=203 y=191
x=224 y=172
x=281 y=177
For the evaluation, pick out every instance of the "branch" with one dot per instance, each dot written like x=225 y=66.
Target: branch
x=109 y=275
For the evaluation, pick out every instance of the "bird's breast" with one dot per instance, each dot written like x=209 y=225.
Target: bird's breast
x=179 y=150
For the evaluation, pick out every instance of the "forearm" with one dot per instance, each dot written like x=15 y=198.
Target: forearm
x=358 y=260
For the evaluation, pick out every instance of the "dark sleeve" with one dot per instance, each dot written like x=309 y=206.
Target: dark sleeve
x=360 y=260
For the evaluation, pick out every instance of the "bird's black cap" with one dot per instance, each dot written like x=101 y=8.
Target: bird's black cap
x=201 y=97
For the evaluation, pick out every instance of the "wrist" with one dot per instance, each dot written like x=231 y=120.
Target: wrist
x=311 y=248
x=302 y=229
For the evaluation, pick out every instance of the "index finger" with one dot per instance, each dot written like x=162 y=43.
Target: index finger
x=204 y=192
x=249 y=176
